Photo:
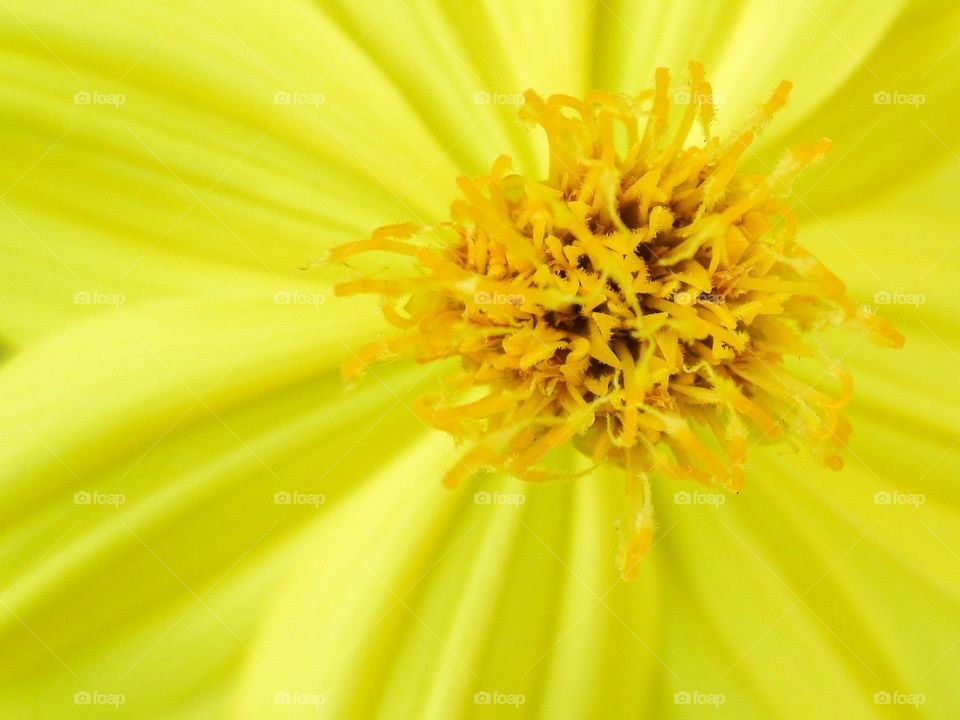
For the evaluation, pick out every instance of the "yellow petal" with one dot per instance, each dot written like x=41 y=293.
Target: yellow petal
x=159 y=469
x=891 y=120
x=728 y=38
x=179 y=148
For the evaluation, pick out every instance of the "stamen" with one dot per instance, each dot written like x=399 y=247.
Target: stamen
x=640 y=303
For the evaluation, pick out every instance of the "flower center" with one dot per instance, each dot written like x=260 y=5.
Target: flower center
x=640 y=302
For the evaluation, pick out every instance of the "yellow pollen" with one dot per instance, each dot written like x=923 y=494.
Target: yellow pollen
x=639 y=303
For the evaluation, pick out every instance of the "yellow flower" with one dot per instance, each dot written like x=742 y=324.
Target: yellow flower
x=199 y=520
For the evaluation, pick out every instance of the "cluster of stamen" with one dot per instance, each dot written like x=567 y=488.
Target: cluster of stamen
x=640 y=302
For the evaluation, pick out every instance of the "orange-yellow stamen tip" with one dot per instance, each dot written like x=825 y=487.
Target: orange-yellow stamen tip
x=639 y=302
